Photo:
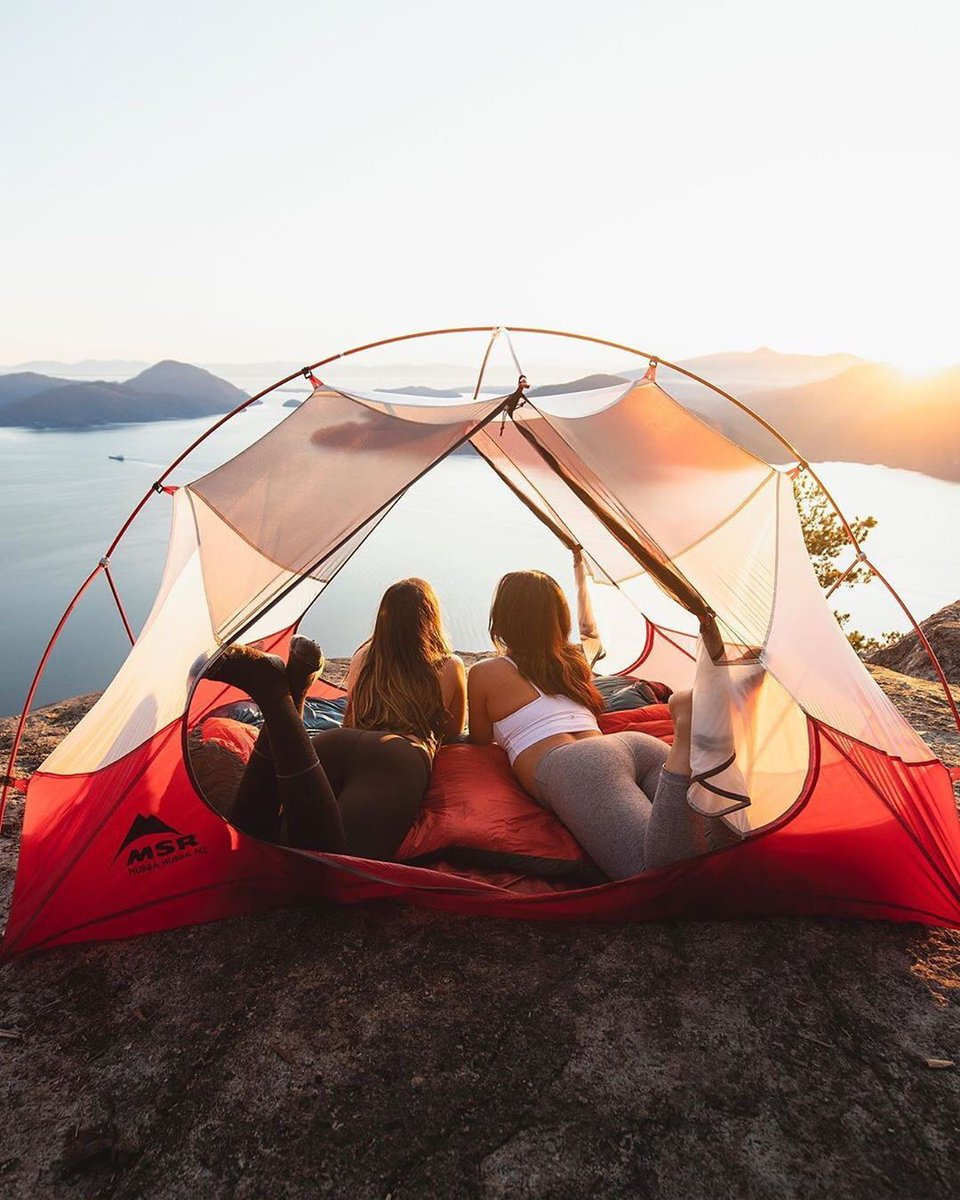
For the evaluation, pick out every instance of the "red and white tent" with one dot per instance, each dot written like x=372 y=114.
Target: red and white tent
x=842 y=808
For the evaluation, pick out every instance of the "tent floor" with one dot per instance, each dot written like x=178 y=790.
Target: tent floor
x=387 y=1050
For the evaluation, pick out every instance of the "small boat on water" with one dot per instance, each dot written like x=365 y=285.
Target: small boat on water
x=116 y=457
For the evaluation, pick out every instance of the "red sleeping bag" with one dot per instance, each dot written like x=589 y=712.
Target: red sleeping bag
x=475 y=814
x=654 y=719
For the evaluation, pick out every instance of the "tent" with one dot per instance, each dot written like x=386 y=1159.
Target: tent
x=840 y=806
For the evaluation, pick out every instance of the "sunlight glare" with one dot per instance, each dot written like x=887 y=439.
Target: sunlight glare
x=922 y=363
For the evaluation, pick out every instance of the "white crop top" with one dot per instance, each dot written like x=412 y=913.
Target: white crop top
x=541 y=718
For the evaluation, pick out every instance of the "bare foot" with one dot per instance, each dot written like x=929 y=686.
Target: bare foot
x=681 y=710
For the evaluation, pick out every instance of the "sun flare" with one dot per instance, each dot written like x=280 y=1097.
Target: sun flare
x=920 y=365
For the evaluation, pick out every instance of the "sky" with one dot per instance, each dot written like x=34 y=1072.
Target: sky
x=237 y=181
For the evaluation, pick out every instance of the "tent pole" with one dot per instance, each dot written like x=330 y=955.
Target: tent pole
x=483 y=365
x=923 y=642
x=155 y=489
x=676 y=586
x=18 y=735
x=581 y=337
x=406 y=337
x=788 y=445
x=116 y=595
x=564 y=536
x=494 y=330
x=462 y=441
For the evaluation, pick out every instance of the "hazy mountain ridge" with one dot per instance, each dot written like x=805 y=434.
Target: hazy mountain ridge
x=869 y=413
x=584 y=384
x=765 y=368
x=20 y=385
x=85 y=368
x=422 y=390
x=834 y=407
x=164 y=392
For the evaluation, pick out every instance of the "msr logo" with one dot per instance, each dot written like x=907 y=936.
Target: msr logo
x=165 y=846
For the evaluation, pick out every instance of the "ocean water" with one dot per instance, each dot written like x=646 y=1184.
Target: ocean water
x=62 y=498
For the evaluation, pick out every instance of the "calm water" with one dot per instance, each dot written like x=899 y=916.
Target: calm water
x=62 y=500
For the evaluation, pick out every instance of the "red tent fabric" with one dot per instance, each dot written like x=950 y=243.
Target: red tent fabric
x=138 y=851
x=842 y=810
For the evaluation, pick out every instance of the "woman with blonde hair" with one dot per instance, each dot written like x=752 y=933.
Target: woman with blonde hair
x=355 y=790
x=624 y=795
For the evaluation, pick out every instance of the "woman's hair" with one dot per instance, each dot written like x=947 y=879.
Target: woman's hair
x=530 y=619
x=398 y=685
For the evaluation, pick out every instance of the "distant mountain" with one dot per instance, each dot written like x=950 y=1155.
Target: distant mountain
x=169 y=378
x=764 y=369
x=743 y=374
x=869 y=413
x=87 y=368
x=832 y=407
x=167 y=391
x=584 y=384
x=415 y=390
x=19 y=386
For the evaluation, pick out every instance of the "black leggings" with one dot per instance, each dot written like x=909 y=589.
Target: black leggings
x=346 y=791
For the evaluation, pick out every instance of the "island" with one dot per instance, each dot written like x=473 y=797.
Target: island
x=167 y=391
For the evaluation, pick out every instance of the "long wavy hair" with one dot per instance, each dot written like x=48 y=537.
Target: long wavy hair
x=398 y=685
x=530 y=620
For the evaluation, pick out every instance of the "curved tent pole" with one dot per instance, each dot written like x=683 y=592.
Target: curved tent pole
x=34 y=684
x=788 y=445
x=655 y=359
x=502 y=408
x=156 y=488
x=922 y=639
x=581 y=337
x=103 y=565
x=494 y=330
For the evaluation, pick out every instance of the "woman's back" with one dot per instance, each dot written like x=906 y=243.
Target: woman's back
x=451 y=677
x=623 y=797
x=405 y=680
x=542 y=695
x=507 y=708
x=540 y=718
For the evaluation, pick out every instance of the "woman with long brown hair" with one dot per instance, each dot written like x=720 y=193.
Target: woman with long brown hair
x=355 y=790
x=623 y=795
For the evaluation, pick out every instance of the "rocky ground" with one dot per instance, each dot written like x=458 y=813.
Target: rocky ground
x=942 y=630
x=389 y=1052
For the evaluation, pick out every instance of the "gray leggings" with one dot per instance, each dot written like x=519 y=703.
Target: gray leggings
x=601 y=789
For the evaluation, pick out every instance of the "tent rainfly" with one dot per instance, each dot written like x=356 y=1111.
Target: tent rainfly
x=841 y=807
